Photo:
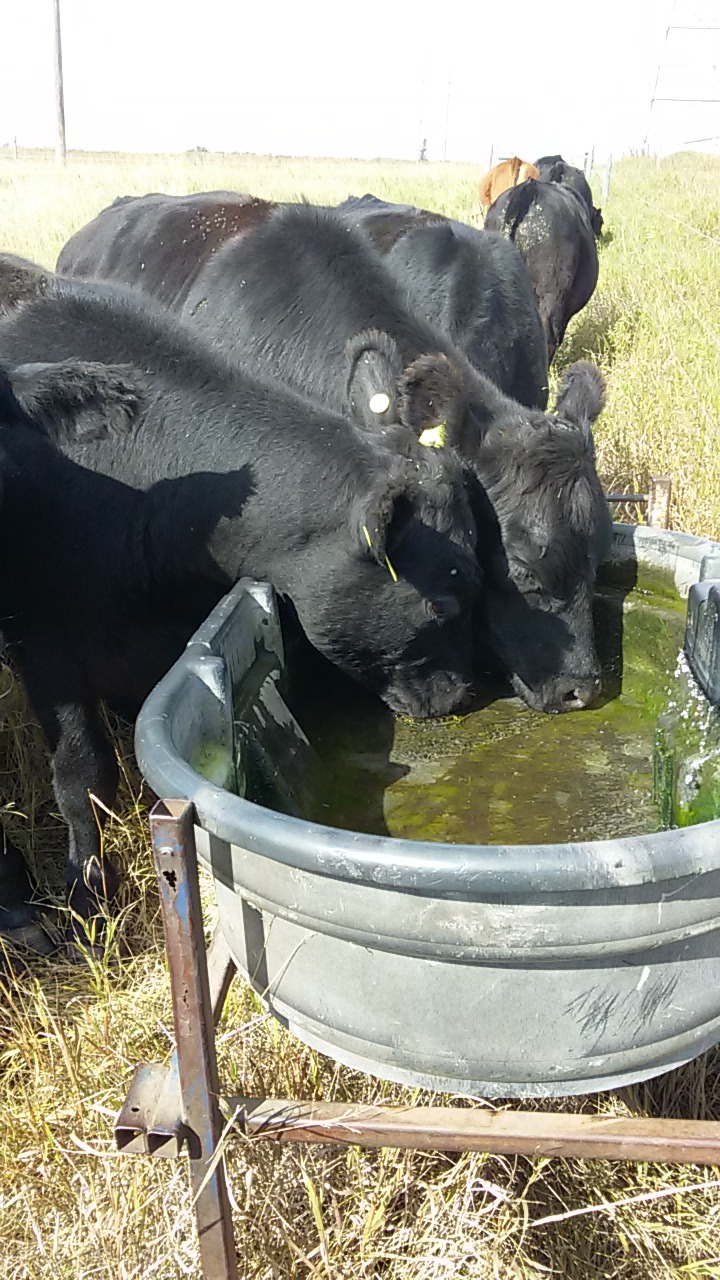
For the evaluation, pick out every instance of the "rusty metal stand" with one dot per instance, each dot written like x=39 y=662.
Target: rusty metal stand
x=192 y=1117
x=175 y=1107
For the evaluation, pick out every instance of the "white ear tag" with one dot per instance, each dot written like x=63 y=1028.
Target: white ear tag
x=379 y=402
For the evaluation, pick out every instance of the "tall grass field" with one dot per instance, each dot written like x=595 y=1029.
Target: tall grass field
x=72 y=1033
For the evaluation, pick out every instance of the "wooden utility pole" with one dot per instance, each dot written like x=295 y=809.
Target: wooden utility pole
x=60 y=147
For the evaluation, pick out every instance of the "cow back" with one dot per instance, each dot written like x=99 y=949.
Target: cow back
x=159 y=243
x=550 y=225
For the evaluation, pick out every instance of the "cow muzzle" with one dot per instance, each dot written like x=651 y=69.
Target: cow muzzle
x=445 y=694
x=567 y=693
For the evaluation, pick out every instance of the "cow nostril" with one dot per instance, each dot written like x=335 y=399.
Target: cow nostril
x=581 y=694
x=574 y=699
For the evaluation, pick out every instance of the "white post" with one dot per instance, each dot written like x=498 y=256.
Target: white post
x=60 y=146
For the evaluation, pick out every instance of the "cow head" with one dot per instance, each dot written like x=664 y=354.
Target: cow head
x=390 y=600
x=551 y=530
x=543 y=522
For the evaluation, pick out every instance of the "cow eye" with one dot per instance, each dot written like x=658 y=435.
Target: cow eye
x=442 y=608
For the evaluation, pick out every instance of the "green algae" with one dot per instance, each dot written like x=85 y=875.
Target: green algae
x=504 y=773
x=216 y=764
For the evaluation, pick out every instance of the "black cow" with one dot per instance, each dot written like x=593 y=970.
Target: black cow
x=555 y=169
x=303 y=297
x=550 y=225
x=472 y=285
x=374 y=546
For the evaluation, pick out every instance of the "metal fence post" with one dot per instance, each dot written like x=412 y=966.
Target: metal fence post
x=173 y=837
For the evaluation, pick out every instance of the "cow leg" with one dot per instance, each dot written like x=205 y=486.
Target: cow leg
x=553 y=331
x=19 y=916
x=84 y=766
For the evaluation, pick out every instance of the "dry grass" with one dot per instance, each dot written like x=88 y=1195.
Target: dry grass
x=70 y=1035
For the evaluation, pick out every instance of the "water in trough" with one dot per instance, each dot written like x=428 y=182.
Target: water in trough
x=647 y=757
x=505 y=774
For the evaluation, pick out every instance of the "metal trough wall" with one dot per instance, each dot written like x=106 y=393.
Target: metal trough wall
x=517 y=970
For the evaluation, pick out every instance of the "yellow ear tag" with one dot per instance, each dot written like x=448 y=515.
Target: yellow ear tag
x=434 y=437
x=391 y=570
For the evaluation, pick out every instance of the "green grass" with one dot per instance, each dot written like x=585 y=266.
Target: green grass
x=70 y=1035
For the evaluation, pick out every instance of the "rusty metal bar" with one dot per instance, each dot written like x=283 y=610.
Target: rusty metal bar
x=547 y=1133
x=529 y=1133
x=173 y=837
x=626 y=497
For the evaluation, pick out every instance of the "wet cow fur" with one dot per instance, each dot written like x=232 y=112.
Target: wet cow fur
x=303 y=297
x=207 y=476
x=472 y=285
x=550 y=225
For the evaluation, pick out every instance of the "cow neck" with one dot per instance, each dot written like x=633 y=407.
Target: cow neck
x=262 y=489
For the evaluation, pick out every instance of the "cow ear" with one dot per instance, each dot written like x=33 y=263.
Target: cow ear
x=78 y=401
x=433 y=399
x=11 y=411
x=374 y=367
x=373 y=515
x=582 y=394
x=20 y=281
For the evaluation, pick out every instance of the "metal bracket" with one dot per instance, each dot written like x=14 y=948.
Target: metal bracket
x=150 y=1122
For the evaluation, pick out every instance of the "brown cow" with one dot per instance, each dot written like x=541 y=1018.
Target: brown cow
x=506 y=174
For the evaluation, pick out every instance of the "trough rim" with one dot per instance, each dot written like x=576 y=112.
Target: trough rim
x=459 y=871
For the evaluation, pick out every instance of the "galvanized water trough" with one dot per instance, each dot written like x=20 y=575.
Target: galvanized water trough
x=494 y=971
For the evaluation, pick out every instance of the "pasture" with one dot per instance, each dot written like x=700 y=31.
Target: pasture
x=70 y=1034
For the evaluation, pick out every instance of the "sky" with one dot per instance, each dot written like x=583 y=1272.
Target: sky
x=327 y=77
